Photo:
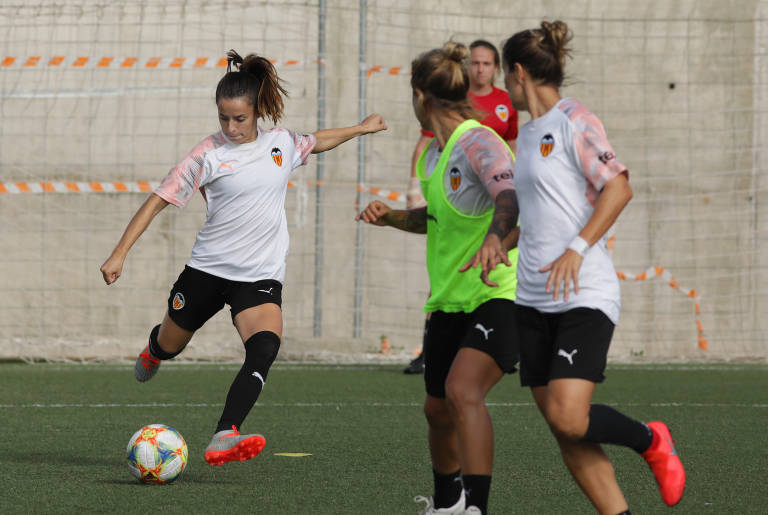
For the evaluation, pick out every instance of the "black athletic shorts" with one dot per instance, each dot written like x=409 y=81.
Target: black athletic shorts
x=572 y=344
x=196 y=296
x=490 y=328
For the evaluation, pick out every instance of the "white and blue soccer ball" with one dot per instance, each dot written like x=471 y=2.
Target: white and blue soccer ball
x=156 y=454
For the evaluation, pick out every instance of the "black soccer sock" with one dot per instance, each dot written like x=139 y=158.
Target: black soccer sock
x=606 y=425
x=154 y=347
x=477 y=489
x=447 y=488
x=260 y=351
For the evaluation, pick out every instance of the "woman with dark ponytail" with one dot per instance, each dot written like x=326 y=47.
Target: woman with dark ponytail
x=571 y=189
x=239 y=255
x=471 y=341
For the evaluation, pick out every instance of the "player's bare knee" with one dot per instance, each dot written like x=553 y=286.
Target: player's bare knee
x=566 y=425
x=462 y=398
x=436 y=411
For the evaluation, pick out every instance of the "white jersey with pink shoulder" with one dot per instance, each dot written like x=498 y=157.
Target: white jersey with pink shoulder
x=245 y=235
x=479 y=168
x=563 y=161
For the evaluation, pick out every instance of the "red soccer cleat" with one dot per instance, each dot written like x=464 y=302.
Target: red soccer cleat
x=230 y=445
x=662 y=457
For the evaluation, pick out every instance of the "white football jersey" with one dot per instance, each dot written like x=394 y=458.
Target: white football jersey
x=245 y=235
x=563 y=161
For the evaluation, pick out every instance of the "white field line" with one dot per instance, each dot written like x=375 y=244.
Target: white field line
x=360 y=404
x=177 y=366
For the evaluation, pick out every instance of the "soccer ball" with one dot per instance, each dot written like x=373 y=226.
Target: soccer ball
x=156 y=454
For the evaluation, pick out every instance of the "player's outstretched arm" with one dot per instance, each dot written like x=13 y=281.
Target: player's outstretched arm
x=113 y=266
x=501 y=234
x=411 y=220
x=332 y=138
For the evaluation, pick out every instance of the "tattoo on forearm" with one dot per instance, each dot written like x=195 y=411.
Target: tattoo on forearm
x=505 y=214
x=417 y=220
x=413 y=220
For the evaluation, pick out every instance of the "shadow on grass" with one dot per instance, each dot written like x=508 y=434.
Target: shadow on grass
x=180 y=481
x=57 y=458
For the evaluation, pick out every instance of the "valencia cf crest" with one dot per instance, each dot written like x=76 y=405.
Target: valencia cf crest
x=178 y=301
x=455 y=178
x=547 y=144
x=277 y=156
x=502 y=112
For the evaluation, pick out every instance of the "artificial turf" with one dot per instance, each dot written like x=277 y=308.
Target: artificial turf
x=66 y=427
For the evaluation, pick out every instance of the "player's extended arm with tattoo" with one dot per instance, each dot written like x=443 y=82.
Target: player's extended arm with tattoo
x=411 y=220
x=501 y=237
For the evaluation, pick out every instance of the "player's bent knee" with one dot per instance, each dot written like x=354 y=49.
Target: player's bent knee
x=436 y=411
x=260 y=352
x=566 y=426
x=157 y=349
x=460 y=395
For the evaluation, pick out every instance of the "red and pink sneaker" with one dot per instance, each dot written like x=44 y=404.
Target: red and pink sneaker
x=230 y=445
x=662 y=457
x=146 y=366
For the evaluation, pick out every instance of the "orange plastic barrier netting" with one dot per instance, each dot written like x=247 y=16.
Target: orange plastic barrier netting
x=150 y=63
x=161 y=63
x=148 y=186
x=136 y=187
x=669 y=279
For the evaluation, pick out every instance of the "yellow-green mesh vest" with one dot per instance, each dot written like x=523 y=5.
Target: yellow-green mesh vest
x=453 y=238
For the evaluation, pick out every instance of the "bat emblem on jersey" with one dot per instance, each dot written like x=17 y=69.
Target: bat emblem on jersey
x=178 y=301
x=277 y=156
x=455 y=178
x=606 y=156
x=547 y=144
x=502 y=112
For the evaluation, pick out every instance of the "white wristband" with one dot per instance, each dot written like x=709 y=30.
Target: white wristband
x=579 y=245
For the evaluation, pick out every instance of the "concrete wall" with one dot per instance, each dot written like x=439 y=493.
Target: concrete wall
x=695 y=152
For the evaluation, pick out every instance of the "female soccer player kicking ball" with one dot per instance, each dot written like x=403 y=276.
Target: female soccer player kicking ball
x=239 y=254
x=466 y=175
x=571 y=189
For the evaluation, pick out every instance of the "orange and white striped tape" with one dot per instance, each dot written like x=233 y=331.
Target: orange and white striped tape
x=77 y=187
x=134 y=187
x=151 y=63
x=388 y=194
x=393 y=70
x=160 y=63
x=669 y=279
x=82 y=187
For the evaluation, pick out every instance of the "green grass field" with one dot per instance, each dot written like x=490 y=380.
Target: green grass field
x=66 y=427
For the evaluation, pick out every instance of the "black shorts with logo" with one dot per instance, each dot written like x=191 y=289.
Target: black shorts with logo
x=196 y=296
x=491 y=328
x=572 y=344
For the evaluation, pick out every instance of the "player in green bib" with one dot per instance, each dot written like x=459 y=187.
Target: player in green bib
x=471 y=342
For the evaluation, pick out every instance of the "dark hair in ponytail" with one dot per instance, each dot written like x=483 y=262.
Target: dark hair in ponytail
x=541 y=51
x=256 y=80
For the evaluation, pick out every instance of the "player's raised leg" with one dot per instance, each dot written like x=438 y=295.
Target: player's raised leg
x=166 y=341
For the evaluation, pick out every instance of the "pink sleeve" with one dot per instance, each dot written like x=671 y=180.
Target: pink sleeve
x=595 y=154
x=186 y=177
x=303 y=143
x=491 y=160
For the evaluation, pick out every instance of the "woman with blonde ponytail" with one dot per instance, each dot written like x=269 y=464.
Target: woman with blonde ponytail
x=571 y=189
x=239 y=255
x=471 y=341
